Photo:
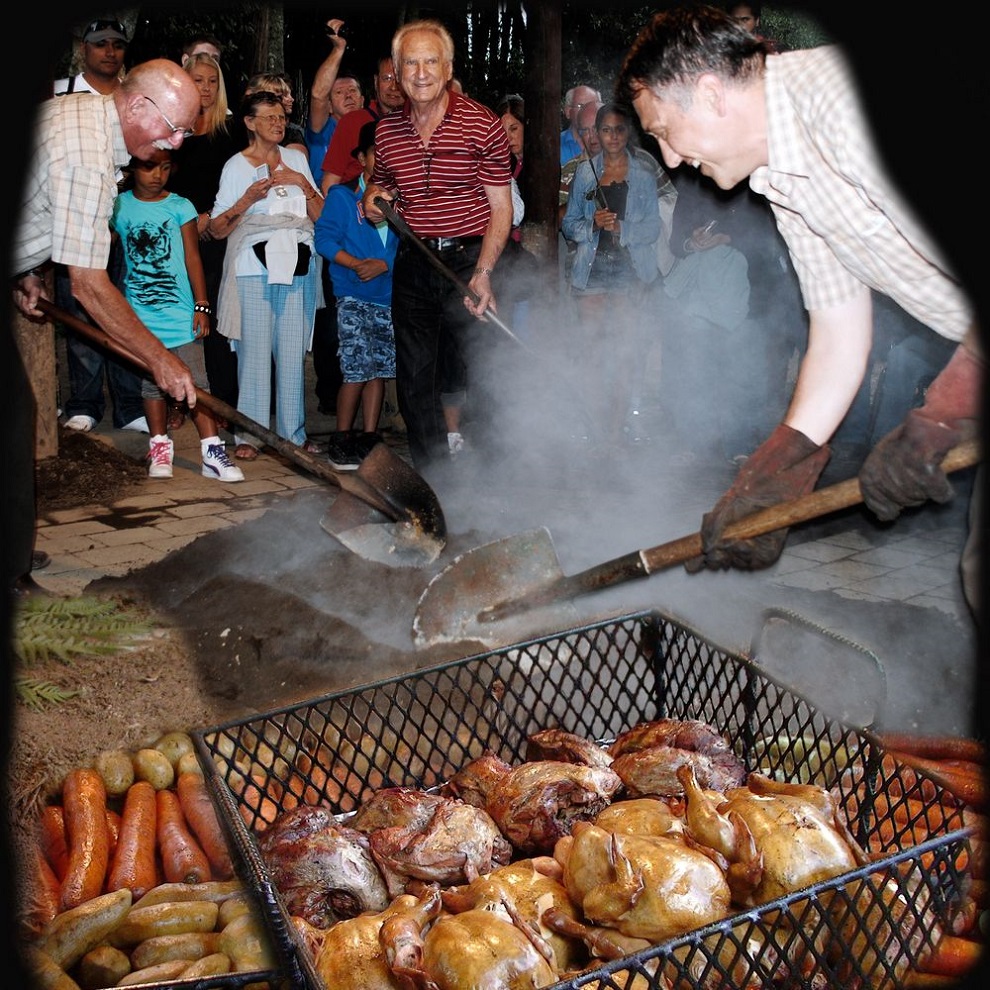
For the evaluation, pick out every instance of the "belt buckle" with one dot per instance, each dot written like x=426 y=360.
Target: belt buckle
x=448 y=244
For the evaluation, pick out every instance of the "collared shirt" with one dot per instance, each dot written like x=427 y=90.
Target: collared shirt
x=442 y=186
x=339 y=159
x=71 y=184
x=842 y=218
x=570 y=147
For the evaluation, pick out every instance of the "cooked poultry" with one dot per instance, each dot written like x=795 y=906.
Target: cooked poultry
x=653 y=771
x=324 y=871
x=455 y=844
x=352 y=958
x=534 y=804
x=401 y=936
x=780 y=837
x=639 y=816
x=393 y=806
x=526 y=892
x=645 y=886
x=681 y=733
x=568 y=747
x=648 y=756
x=483 y=950
x=474 y=783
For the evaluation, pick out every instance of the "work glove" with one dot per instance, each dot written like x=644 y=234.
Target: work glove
x=904 y=468
x=784 y=467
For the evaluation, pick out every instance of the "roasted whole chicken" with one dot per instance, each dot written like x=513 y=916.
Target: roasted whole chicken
x=484 y=950
x=324 y=871
x=649 y=755
x=526 y=892
x=441 y=840
x=645 y=886
x=568 y=747
x=777 y=837
x=352 y=956
x=639 y=816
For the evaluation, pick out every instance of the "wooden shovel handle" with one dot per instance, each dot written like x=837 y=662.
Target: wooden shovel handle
x=347 y=482
x=817 y=503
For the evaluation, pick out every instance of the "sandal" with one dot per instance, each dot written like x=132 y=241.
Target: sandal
x=176 y=417
x=312 y=447
x=246 y=452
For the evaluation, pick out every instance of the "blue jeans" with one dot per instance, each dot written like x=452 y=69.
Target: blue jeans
x=88 y=366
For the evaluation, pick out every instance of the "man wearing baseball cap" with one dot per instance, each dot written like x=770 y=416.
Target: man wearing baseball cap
x=104 y=45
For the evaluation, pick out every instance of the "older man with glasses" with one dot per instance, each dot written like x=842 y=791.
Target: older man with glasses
x=575 y=101
x=80 y=145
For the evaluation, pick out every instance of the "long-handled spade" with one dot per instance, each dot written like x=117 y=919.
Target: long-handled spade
x=481 y=594
x=384 y=512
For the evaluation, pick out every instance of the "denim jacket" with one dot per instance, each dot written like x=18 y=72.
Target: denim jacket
x=640 y=227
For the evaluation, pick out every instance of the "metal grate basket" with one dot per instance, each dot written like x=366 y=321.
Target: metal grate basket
x=865 y=928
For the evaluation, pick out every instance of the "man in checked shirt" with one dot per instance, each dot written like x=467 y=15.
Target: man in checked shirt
x=715 y=100
x=444 y=160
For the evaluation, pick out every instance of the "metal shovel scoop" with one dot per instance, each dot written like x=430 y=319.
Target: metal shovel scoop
x=385 y=512
x=481 y=594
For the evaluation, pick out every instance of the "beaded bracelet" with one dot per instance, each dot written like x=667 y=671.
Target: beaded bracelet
x=203 y=308
x=483 y=271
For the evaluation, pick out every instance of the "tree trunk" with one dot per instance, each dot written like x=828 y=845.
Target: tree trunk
x=541 y=176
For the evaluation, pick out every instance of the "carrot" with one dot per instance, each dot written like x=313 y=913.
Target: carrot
x=133 y=864
x=936 y=747
x=43 y=893
x=51 y=835
x=198 y=809
x=84 y=802
x=969 y=788
x=183 y=859
x=954 y=956
x=257 y=808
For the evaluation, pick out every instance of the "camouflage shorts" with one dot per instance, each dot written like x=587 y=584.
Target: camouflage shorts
x=367 y=340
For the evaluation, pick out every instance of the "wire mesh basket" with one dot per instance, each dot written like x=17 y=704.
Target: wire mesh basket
x=865 y=928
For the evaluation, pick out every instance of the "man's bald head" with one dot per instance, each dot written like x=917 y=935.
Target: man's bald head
x=157 y=103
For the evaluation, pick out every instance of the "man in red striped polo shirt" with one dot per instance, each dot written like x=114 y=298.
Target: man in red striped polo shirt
x=443 y=162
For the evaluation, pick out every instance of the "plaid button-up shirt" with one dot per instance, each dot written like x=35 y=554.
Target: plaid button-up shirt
x=71 y=184
x=842 y=218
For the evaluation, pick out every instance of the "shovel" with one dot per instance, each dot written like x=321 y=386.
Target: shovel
x=385 y=511
x=491 y=584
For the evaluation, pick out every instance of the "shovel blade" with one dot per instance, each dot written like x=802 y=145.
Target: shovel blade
x=415 y=536
x=451 y=607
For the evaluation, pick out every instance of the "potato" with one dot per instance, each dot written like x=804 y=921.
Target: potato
x=116 y=768
x=153 y=766
x=174 y=745
x=103 y=966
x=188 y=763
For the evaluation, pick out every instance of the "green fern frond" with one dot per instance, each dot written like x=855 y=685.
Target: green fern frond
x=36 y=694
x=64 y=628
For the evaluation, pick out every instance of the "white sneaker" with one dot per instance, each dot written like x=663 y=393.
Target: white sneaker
x=160 y=456
x=139 y=425
x=82 y=423
x=216 y=463
x=455 y=443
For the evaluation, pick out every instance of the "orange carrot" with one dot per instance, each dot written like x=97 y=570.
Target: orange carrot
x=51 y=835
x=43 y=893
x=257 y=808
x=204 y=823
x=183 y=859
x=84 y=801
x=954 y=956
x=133 y=864
x=113 y=826
x=969 y=788
x=936 y=747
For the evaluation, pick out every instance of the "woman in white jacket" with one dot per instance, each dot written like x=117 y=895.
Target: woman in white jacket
x=266 y=206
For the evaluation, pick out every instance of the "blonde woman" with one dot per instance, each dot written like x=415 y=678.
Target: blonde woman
x=196 y=169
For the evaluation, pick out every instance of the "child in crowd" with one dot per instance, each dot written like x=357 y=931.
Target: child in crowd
x=361 y=255
x=165 y=285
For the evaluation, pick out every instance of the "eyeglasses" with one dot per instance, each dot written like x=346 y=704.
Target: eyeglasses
x=387 y=78
x=272 y=118
x=184 y=131
x=618 y=129
x=95 y=26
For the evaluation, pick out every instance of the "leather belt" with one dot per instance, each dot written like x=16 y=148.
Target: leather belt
x=450 y=243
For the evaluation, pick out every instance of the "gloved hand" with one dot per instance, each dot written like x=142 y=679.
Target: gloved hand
x=785 y=466
x=904 y=468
